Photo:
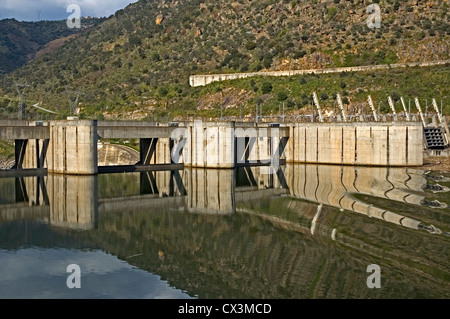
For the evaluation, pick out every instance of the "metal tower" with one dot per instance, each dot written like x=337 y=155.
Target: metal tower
x=21 y=92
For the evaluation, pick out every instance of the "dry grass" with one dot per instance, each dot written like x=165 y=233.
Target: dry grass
x=435 y=163
x=54 y=45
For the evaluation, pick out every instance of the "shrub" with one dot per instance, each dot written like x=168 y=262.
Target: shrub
x=250 y=45
x=156 y=57
x=163 y=91
x=266 y=87
x=282 y=96
x=135 y=40
x=395 y=96
x=345 y=100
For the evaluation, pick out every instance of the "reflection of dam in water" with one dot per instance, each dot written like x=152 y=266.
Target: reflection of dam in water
x=338 y=186
x=303 y=232
x=62 y=201
x=76 y=201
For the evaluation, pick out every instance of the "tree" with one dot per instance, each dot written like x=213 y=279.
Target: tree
x=135 y=40
x=282 y=96
x=266 y=87
x=250 y=45
x=395 y=96
x=267 y=61
x=345 y=100
x=156 y=57
x=331 y=12
x=163 y=91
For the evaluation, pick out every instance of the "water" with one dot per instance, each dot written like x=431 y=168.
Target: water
x=306 y=232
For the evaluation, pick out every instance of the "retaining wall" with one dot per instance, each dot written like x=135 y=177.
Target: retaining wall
x=205 y=79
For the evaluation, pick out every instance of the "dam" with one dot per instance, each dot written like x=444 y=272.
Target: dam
x=70 y=147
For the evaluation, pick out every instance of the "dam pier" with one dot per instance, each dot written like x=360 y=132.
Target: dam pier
x=70 y=146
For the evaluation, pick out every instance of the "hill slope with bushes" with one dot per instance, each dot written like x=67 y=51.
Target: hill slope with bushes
x=136 y=64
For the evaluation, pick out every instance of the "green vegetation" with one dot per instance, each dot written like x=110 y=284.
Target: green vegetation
x=19 y=41
x=296 y=92
x=6 y=149
x=130 y=67
x=132 y=143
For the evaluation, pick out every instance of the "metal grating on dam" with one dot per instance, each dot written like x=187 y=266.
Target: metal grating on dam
x=435 y=138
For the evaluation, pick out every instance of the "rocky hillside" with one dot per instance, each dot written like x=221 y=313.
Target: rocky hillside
x=136 y=64
x=6 y=154
x=20 y=41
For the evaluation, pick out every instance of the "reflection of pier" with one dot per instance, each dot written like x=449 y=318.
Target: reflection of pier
x=337 y=186
x=211 y=191
x=64 y=201
x=76 y=201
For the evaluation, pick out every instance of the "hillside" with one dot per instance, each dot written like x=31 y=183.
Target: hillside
x=20 y=41
x=137 y=63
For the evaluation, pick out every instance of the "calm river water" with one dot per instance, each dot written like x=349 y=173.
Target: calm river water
x=304 y=232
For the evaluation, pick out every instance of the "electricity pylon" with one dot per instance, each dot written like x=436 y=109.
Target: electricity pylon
x=73 y=98
x=21 y=91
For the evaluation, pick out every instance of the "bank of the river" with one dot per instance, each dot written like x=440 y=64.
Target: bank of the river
x=6 y=154
x=6 y=162
x=435 y=163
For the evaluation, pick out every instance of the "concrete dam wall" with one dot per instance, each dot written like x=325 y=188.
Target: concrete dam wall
x=212 y=145
x=370 y=144
x=71 y=147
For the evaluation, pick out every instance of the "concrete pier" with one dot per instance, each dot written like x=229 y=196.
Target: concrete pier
x=210 y=145
x=73 y=147
x=70 y=147
x=368 y=144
